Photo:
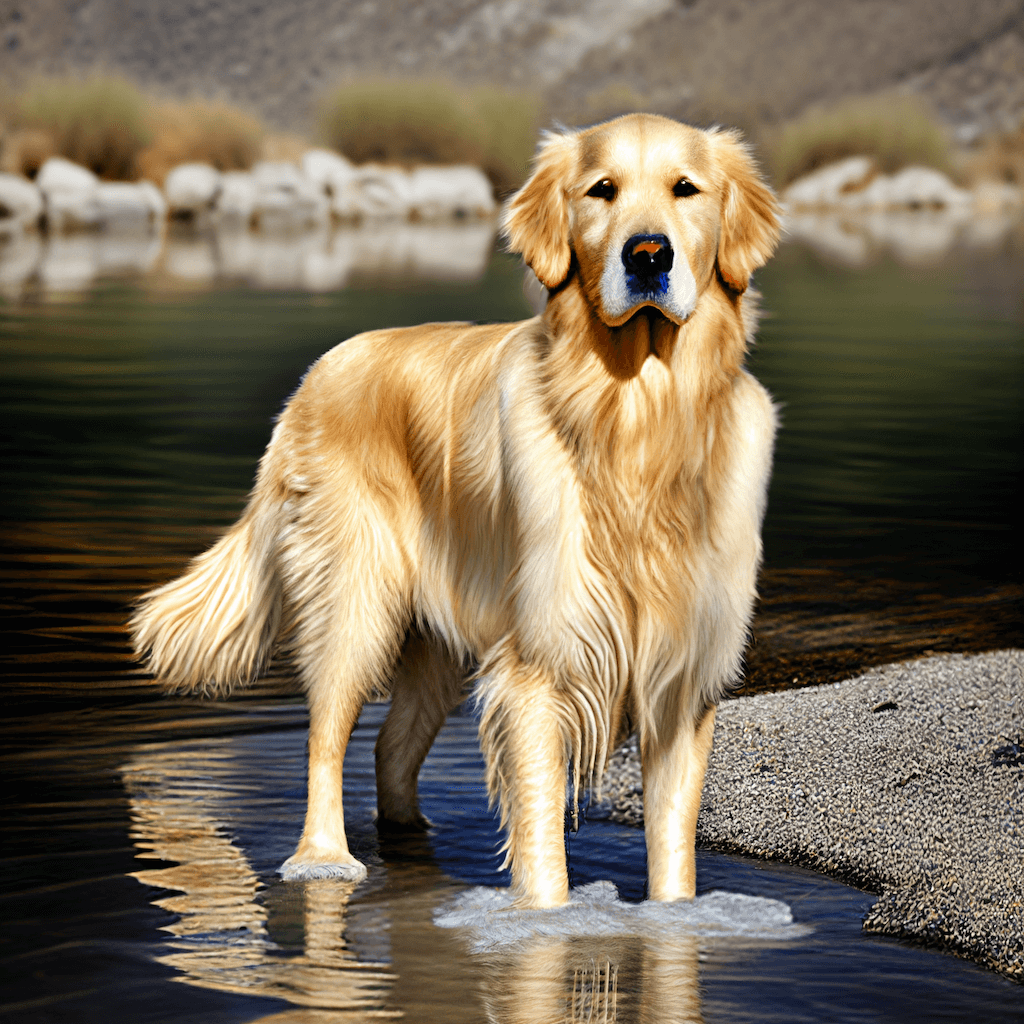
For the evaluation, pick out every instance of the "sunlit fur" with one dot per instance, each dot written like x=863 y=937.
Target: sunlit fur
x=570 y=505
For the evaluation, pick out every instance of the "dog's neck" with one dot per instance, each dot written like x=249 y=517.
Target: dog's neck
x=570 y=314
x=616 y=391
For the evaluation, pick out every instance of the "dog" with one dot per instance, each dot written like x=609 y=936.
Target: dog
x=566 y=510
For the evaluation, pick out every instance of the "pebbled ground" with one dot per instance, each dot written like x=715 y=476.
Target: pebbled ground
x=907 y=781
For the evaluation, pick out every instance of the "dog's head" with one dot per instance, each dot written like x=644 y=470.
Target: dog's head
x=652 y=210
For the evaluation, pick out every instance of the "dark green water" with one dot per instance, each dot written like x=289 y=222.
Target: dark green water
x=133 y=413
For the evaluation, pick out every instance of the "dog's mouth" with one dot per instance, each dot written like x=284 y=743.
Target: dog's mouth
x=649 y=328
x=652 y=311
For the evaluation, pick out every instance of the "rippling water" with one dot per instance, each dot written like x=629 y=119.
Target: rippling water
x=141 y=833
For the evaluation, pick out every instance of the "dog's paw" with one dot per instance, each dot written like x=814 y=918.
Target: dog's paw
x=414 y=823
x=301 y=869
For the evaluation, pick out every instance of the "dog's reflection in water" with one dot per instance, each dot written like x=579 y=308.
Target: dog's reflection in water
x=379 y=955
x=556 y=979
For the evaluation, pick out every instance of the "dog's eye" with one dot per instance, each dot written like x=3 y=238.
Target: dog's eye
x=604 y=189
x=684 y=188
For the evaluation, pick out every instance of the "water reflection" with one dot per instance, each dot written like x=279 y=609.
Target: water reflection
x=552 y=980
x=913 y=237
x=318 y=260
x=336 y=952
x=220 y=937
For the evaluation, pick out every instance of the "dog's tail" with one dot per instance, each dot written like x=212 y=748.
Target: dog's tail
x=215 y=628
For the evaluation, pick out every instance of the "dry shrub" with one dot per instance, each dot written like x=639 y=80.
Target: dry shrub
x=1000 y=158
x=99 y=122
x=417 y=122
x=200 y=131
x=281 y=146
x=896 y=131
x=25 y=150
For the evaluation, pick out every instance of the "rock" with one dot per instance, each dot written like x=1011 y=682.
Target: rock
x=438 y=193
x=21 y=204
x=191 y=190
x=377 y=192
x=854 y=185
x=236 y=201
x=826 y=186
x=58 y=174
x=125 y=205
x=912 y=188
x=286 y=198
x=70 y=195
x=328 y=170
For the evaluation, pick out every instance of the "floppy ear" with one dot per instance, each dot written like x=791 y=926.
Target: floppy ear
x=750 y=212
x=536 y=218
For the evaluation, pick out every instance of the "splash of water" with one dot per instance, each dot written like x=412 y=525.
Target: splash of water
x=596 y=909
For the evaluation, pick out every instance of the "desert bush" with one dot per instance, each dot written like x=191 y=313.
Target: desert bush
x=896 y=131
x=999 y=158
x=99 y=122
x=417 y=122
x=200 y=130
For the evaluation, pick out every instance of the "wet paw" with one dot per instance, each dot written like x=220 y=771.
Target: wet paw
x=414 y=824
x=300 y=870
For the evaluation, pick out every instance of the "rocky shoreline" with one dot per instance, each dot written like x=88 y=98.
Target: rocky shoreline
x=907 y=781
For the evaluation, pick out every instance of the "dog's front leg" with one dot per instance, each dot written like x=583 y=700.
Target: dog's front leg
x=524 y=746
x=673 y=774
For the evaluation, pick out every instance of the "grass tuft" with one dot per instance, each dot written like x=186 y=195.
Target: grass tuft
x=99 y=122
x=200 y=130
x=418 y=122
x=896 y=131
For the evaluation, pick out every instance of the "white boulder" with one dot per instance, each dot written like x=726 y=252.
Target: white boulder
x=854 y=185
x=191 y=189
x=909 y=189
x=236 y=201
x=442 y=193
x=125 y=205
x=21 y=204
x=826 y=186
x=286 y=199
x=377 y=192
x=70 y=194
x=328 y=170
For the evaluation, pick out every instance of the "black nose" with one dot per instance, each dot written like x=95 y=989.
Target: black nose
x=647 y=257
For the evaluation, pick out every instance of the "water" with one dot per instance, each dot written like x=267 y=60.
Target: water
x=141 y=834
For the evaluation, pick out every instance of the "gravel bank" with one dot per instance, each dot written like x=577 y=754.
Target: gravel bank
x=907 y=781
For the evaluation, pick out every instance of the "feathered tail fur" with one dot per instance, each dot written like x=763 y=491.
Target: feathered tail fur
x=215 y=628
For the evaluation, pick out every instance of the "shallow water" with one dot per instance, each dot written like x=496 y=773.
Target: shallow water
x=142 y=833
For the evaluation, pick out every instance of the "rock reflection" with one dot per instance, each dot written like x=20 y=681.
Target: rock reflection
x=913 y=237
x=319 y=259
x=220 y=939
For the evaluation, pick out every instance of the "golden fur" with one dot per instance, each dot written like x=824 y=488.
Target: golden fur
x=571 y=503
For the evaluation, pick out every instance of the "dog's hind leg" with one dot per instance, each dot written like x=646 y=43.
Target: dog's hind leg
x=428 y=684
x=346 y=640
x=673 y=776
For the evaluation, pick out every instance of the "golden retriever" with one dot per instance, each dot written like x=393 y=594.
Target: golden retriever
x=570 y=505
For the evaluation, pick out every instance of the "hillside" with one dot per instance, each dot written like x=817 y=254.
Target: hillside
x=739 y=60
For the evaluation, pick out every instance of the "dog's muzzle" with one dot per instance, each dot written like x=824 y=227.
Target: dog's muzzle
x=647 y=260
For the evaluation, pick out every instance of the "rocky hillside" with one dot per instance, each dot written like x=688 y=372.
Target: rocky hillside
x=738 y=60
